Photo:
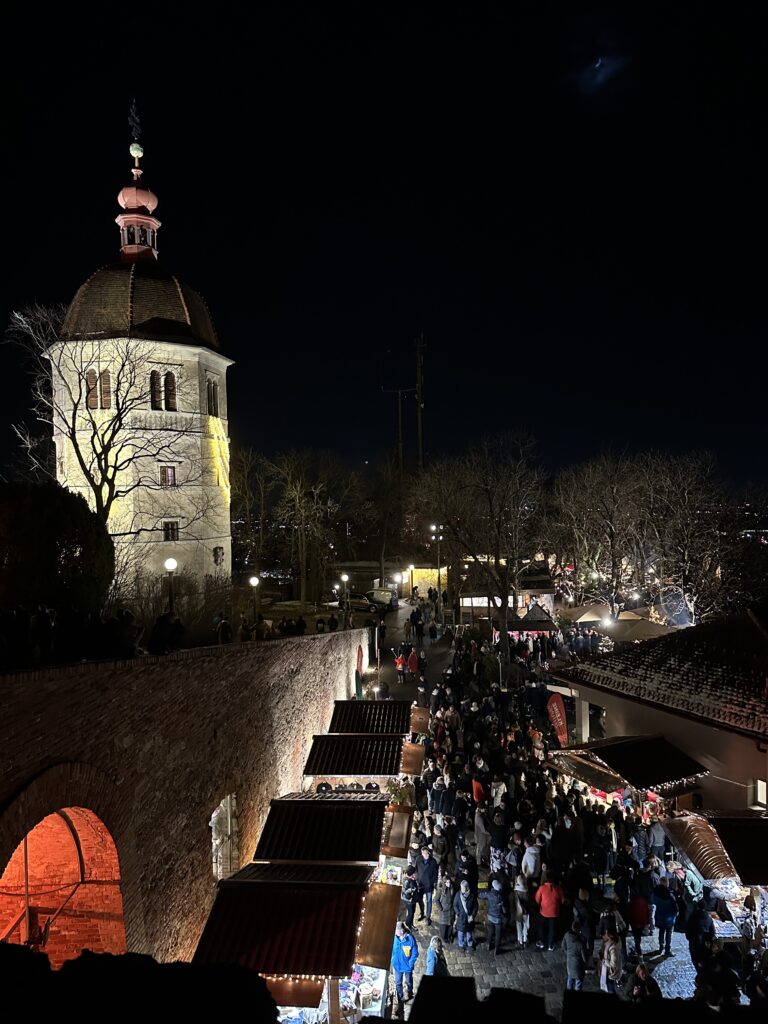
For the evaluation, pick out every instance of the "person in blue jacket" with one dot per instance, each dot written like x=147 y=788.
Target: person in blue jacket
x=405 y=953
x=436 y=964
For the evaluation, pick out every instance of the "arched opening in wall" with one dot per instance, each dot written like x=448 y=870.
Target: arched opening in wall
x=224 y=838
x=60 y=892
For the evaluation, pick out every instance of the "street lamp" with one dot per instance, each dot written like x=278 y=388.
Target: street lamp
x=170 y=567
x=398 y=578
x=344 y=580
x=437 y=535
x=410 y=570
x=254 y=582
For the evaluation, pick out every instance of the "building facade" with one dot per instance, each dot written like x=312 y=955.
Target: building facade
x=140 y=405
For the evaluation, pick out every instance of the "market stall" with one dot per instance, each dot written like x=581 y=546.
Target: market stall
x=650 y=766
x=352 y=761
x=387 y=717
x=727 y=850
x=319 y=935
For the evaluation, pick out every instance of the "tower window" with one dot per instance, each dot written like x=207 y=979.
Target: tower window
x=131 y=234
x=142 y=235
x=218 y=556
x=213 y=397
x=170 y=392
x=105 y=389
x=171 y=529
x=155 y=391
x=91 y=390
x=167 y=476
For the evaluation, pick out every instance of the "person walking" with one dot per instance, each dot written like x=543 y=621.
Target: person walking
x=497 y=912
x=413 y=664
x=521 y=909
x=405 y=953
x=410 y=896
x=444 y=902
x=576 y=957
x=609 y=962
x=666 y=915
x=401 y=664
x=407 y=629
x=436 y=963
x=639 y=916
x=550 y=899
x=427 y=872
x=465 y=909
x=699 y=930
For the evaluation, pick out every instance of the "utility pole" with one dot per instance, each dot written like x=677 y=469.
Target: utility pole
x=400 y=441
x=420 y=396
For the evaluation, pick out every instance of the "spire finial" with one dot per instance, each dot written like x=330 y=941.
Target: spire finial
x=136 y=150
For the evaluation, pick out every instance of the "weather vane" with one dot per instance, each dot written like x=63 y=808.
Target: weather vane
x=135 y=148
x=134 y=122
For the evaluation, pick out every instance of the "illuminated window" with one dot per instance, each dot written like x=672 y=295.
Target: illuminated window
x=171 y=529
x=213 y=398
x=167 y=476
x=170 y=392
x=761 y=792
x=155 y=391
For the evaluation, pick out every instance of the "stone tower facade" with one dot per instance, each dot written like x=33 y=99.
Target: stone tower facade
x=140 y=405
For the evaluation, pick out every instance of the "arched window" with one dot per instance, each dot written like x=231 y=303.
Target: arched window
x=215 y=399
x=91 y=390
x=155 y=392
x=131 y=234
x=105 y=389
x=209 y=389
x=170 y=392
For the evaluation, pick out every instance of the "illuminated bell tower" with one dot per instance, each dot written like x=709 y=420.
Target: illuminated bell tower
x=149 y=360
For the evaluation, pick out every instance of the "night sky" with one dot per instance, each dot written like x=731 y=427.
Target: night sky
x=569 y=206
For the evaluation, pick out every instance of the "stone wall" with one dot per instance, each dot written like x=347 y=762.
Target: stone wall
x=152 y=746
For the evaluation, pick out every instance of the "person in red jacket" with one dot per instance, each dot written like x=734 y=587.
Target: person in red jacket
x=550 y=899
x=413 y=663
x=639 y=919
x=400 y=666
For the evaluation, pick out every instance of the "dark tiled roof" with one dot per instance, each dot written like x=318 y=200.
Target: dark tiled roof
x=355 y=755
x=139 y=300
x=283 y=927
x=716 y=672
x=301 y=874
x=383 y=716
x=322 y=830
x=538 y=618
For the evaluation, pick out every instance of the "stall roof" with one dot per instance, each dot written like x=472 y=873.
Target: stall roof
x=537 y=618
x=361 y=716
x=323 y=830
x=300 y=920
x=695 y=837
x=357 y=754
x=285 y=927
x=645 y=762
x=744 y=834
x=593 y=773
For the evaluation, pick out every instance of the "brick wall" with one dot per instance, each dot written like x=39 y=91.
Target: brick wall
x=152 y=746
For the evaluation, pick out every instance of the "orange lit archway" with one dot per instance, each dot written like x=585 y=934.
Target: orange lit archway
x=60 y=892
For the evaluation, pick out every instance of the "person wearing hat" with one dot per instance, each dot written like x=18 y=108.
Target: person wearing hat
x=422 y=699
x=411 y=896
x=427 y=871
x=497 y=913
x=576 y=956
x=405 y=953
x=465 y=910
x=467 y=871
x=444 y=903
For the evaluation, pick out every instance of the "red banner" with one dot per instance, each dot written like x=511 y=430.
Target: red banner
x=556 y=712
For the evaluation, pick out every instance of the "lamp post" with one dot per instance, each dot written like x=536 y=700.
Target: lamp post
x=344 y=580
x=410 y=570
x=254 y=582
x=170 y=567
x=398 y=577
x=437 y=535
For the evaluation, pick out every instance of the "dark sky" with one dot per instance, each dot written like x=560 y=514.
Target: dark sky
x=570 y=206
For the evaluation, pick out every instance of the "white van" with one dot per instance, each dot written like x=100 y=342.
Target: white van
x=383 y=595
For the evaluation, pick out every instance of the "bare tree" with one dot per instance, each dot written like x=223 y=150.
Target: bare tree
x=253 y=481
x=489 y=504
x=96 y=398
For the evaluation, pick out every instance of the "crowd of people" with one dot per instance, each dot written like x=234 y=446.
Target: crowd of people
x=559 y=869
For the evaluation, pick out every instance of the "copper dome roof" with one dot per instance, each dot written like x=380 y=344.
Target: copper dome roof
x=139 y=299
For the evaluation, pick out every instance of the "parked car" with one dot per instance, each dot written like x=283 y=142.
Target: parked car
x=384 y=596
x=360 y=603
